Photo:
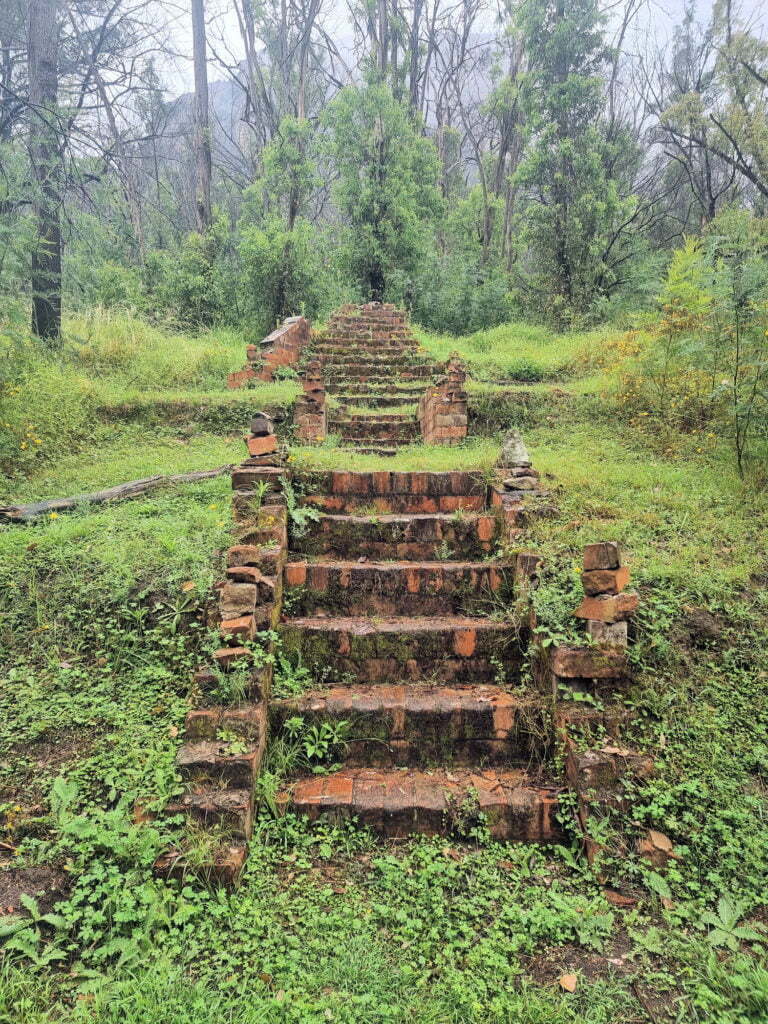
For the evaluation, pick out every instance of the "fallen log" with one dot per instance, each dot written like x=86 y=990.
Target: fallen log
x=121 y=492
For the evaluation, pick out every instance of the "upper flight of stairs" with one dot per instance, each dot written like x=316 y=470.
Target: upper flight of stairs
x=396 y=604
x=370 y=362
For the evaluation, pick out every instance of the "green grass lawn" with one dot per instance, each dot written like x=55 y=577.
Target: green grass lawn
x=102 y=617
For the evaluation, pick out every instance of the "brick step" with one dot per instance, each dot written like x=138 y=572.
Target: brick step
x=399 y=588
x=397 y=803
x=443 y=649
x=404 y=430
x=387 y=726
x=372 y=416
x=378 y=373
x=385 y=491
x=365 y=344
x=376 y=355
x=419 y=537
x=230 y=809
x=377 y=401
x=410 y=390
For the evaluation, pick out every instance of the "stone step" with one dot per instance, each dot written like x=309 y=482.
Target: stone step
x=385 y=491
x=343 y=346
x=380 y=373
x=403 y=430
x=388 y=389
x=418 y=537
x=374 y=356
x=397 y=803
x=398 y=588
x=388 y=726
x=375 y=401
x=446 y=649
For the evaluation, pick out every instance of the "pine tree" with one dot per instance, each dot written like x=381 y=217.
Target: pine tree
x=572 y=214
x=387 y=188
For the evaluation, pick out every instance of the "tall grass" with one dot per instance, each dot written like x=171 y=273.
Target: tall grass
x=112 y=366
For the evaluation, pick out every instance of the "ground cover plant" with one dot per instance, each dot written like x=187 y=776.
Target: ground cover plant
x=103 y=619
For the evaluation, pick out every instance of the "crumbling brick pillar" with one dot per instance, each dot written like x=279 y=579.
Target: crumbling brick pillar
x=443 y=408
x=283 y=347
x=309 y=411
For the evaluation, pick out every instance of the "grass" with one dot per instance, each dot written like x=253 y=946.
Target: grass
x=516 y=352
x=114 y=371
x=475 y=453
x=102 y=621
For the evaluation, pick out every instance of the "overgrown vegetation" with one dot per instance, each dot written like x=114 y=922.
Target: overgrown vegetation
x=100 y=631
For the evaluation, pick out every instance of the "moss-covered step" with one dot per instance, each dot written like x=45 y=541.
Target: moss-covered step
x=397 y=803
x=398 y=588
x=421 y=537
x=446 y=649
x=422 y=725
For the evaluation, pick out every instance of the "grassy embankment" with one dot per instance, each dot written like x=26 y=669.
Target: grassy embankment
x=98 y=633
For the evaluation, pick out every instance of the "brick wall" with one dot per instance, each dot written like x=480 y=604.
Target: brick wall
x=283 y=347
x=309 y=411
x=443 y=408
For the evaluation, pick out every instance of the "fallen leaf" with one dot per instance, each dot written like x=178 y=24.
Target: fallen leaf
x=660 y=841
x=188 y=585
x=616 y=899
x=507 y=865
x=453 y=854
x=568 y=982
x=173 y=730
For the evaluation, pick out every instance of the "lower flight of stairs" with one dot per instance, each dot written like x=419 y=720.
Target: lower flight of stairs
x=404 y=618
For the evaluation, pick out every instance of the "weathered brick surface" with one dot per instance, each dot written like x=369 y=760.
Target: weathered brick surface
x=443 y=408
x=391 y=725
x=283 y=347
x=446 y=648
x=400 y=804
x=398 y=588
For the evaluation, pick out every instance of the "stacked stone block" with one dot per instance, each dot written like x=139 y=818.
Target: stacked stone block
x=515 y=480
x=283 y=347
x=443 y=408
x=223 y=745
x=309 y=412
x=597 y=774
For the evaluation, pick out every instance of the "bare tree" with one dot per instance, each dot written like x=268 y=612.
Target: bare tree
x=45 y=158
x=202 y=121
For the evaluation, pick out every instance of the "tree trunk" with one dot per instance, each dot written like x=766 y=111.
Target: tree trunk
x=42 y=48
x=202 y=122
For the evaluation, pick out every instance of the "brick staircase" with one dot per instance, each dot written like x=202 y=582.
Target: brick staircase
x=370 y=363
x=395 y=603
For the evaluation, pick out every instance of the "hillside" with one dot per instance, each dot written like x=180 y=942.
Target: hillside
x=104 y=617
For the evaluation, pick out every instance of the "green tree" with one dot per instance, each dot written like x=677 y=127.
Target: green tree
x=387 y=187
x=280 y=268
x=574 y=221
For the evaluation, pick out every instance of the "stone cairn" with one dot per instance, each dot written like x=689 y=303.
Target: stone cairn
x=597 y=774
x=309 y=411
x=223 y=743
x=443 y=407
x=515 y=479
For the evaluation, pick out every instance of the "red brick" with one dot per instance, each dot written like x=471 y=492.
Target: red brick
x=605 y=555
x=262 y=445
x=589 y=662
x=605 y=581
x=243 y=626
x=608 y=608
x=296 y=574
